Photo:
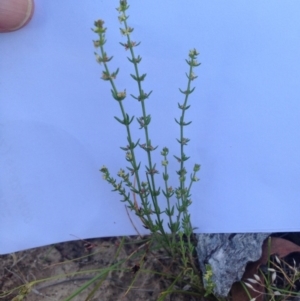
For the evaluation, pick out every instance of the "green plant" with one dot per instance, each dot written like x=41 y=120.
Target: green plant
x=177 y=239
x=208 y=278
x=146 y=189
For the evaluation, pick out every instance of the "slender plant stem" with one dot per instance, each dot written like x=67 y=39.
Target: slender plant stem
x=148 y=143
x=127 y=125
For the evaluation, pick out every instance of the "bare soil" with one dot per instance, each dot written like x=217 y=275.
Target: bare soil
x=72 y=263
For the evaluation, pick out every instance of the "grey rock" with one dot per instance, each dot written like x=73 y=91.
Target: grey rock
x=227 y=255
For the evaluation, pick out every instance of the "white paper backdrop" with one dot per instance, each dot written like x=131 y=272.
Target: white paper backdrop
x=57 y=127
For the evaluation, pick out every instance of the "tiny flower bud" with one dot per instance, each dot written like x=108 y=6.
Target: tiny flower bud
x=196 y=167
x=98 y=58
x=165 y=151
x=103 y=169
x=193 y=53
x=99 y=27
x=170 y=189
x=195 y=179
x=193 y=76
x=128 y=156
x=123 y=6
x=96 y=43
x=99 y=23
x=178 y=193
x=126 y=31
x=121 y=173
x=164 y=163
x=122 y=18
x=121 y=95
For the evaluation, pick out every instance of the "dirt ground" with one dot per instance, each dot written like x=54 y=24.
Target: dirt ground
x=72 y=263
x=56 y=271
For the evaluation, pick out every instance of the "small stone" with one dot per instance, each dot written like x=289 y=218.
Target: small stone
x=228 y=255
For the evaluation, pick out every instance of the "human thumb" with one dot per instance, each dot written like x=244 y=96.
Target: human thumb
x=14 y=14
